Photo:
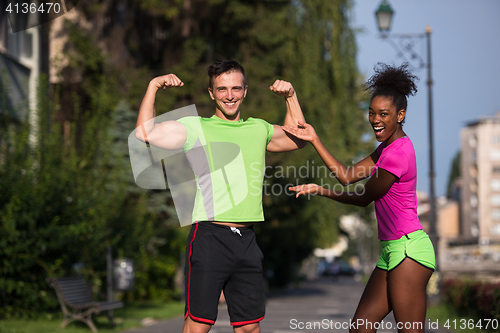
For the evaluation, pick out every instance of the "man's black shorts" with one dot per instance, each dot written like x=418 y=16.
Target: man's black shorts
x=223 y=258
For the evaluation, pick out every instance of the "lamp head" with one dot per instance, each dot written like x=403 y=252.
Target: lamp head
x=384 y=16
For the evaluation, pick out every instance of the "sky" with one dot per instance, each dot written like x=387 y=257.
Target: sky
x=465 y=58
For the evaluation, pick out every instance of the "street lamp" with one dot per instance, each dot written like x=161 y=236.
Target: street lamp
x=384 y=17
x=407 y=42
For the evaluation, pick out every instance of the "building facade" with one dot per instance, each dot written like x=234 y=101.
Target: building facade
x=480 y=172
x=23 y=57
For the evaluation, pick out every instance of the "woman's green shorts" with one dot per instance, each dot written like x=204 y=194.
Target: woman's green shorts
x=416 y=246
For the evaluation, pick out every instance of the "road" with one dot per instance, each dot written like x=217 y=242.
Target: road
x=323 y=305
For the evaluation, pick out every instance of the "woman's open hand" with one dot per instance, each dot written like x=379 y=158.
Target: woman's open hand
x=304 y=131
x=311 y=189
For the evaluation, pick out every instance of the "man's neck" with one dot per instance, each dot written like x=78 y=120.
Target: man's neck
x=221 y=115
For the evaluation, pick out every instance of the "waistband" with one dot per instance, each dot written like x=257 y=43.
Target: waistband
x=404 y=238
x=207 y=225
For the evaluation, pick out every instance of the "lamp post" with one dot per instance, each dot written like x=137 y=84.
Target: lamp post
x=384 y=17
x=406 y=43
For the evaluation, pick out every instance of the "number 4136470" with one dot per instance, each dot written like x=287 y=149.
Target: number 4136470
x=471 y=323
x=25 y=8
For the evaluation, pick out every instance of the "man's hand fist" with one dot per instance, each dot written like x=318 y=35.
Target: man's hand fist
x=282 y=88
x=167 y=81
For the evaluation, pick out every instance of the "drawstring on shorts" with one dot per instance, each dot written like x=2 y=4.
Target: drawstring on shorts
x=236 y=231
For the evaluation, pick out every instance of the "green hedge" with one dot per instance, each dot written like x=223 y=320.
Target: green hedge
x=473 y=299
x=66 y=197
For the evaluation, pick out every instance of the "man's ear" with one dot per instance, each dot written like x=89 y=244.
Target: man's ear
x=211 y=93
x=246 y=89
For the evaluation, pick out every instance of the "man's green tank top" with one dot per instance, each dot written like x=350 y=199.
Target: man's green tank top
x=228 y=160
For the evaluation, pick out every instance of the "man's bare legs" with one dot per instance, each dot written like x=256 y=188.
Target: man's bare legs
x=191 y=326
x=402 y=290
x=250 y=328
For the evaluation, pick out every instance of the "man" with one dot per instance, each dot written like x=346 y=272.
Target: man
x=227 y=157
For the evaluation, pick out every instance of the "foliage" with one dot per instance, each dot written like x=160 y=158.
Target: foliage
x=54 y=202
x=146 y=229
x=126 y=318
x=66 y=198
x=453 y=177
x=63 y=203
x=474 y=299
x=67 y=195
x=310 y=44
x=445 y=316
x=325 y=77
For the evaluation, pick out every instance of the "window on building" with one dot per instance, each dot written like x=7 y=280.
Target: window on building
x=20 y=43
x=3 y=26
x=473 y=171
x=495 y=184
x=495 y=200
x=473 y=201
x=495 y=155
x=2 y=29
x=495 y=229
x=495 y=214
x=472 y=141
x=496 y=169
x=495 y=139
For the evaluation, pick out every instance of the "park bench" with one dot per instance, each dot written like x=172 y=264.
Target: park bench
x=73 y=293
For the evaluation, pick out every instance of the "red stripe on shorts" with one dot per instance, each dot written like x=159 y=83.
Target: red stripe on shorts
x=241 y=323
x=208 y=321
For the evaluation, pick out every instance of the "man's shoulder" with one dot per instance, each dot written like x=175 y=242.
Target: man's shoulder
x=189 y=119
x=258 y=120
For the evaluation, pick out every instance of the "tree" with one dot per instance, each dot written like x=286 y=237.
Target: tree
x=81 y=194
x=453 y=177
x=309 y=43
x=55 y=203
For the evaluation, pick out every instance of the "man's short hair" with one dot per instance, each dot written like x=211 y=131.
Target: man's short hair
x=225 y=66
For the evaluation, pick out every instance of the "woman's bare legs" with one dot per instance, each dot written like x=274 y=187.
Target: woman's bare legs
x=374 y=303
x=402 y=290
x=407 y=293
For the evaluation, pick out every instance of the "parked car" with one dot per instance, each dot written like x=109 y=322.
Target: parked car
x=336 y=268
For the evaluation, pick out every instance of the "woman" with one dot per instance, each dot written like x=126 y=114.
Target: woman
x=398 y=282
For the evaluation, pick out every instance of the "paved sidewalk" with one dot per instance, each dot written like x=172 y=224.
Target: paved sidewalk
x=326 y=303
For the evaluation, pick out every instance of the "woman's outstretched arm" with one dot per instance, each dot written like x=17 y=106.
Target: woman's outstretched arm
x=378 y=185
x=345 y=175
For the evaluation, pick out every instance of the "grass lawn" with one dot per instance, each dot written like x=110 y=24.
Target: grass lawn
x=128 y=317
x=449 y=319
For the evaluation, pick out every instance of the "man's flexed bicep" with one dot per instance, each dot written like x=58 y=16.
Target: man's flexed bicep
x=167 y=135
x=282 y=141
